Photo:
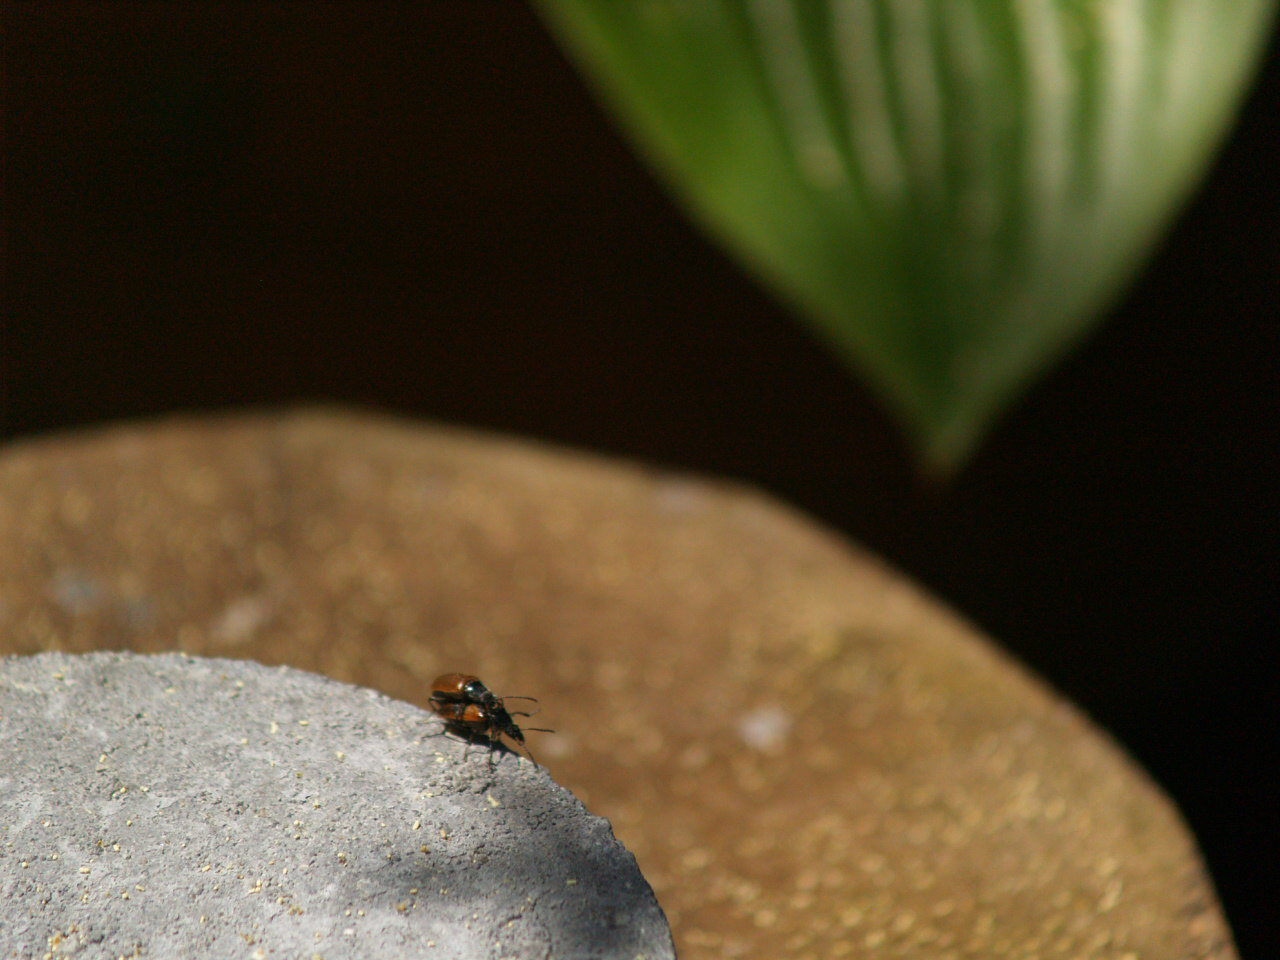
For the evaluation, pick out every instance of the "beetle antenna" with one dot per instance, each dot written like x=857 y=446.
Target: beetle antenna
x=526 y=750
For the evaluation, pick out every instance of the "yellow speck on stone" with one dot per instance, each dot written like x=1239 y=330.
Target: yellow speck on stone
x=304 y=723
x=571 y=882
x=493 y=801
x=850 y=917
x=423 y=849
x=402 y=906
x=82 y=869
x=417 y=824
x=1110 y=896
x=696 y=859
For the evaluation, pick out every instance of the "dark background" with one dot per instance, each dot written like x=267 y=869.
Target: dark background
x=420 y=207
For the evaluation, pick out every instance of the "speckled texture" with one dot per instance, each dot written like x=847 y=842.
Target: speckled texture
x=169 y=806
x=809 y=758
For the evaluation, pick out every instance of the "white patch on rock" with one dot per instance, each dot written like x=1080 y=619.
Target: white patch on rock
x=764 y=728
x=241 y=619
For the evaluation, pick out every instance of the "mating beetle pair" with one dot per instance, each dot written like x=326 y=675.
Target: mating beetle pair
x=472 y=711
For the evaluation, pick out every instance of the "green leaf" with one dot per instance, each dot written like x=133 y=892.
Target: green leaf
x=950 y=191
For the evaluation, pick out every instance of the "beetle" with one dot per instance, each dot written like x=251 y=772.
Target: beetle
x=474 y=712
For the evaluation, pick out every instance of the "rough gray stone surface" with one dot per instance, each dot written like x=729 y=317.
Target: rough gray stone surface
x=171 y=806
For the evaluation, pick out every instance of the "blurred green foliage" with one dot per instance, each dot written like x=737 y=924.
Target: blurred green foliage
x=949 y=191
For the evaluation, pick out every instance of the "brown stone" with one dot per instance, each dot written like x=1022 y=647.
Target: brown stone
x=808 y=756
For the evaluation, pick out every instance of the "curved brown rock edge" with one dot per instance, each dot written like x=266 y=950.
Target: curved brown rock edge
x=807 y=756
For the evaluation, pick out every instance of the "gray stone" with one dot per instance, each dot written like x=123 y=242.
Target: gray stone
x=172 y=806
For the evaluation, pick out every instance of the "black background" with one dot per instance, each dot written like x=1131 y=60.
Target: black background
x=420 y=207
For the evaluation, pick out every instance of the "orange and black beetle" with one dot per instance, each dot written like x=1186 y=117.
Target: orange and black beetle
x=474 y=712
